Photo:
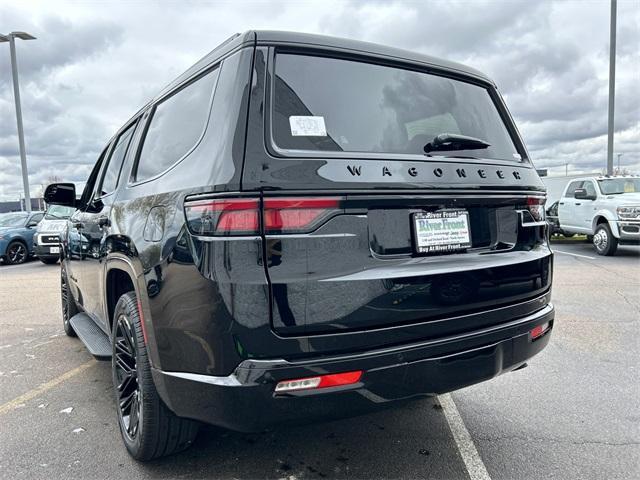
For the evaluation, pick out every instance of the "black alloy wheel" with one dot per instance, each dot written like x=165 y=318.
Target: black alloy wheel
x=126 y=377
x=16 y=253
x=149 y=429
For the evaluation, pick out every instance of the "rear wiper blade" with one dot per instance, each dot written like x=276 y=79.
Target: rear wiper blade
x=452 y=141
x=470 y=157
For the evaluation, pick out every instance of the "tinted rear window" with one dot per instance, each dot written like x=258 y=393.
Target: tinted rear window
x=329 y=104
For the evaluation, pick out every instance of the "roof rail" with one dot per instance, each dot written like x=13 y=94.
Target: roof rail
x=235 y=35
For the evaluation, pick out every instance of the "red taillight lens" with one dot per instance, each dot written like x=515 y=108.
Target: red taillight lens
x=241 y=216
x=535 y=205
x=224 y=216
x=321 y=381
x=296 y=215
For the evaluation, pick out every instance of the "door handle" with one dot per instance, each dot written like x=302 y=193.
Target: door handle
x=578 y=204
x=561 y=203
x=104 y=222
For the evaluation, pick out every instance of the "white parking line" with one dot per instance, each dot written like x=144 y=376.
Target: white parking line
x=555 y=250
x=466 y=447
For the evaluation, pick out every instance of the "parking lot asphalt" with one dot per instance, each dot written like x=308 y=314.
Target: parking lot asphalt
x=573 y=413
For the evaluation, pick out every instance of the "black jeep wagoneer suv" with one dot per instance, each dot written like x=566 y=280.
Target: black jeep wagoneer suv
x=302 y=227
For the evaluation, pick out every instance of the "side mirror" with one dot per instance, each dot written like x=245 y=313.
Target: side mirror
x=61 y=194
x=581 y=194
x=32 y=224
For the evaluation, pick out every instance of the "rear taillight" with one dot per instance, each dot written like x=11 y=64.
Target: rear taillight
x=321 y=381
x=223 y=216
x=241 y=216
x=535 y=205
x=298 y=214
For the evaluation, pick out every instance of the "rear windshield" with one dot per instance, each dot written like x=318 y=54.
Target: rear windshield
x=330 y=104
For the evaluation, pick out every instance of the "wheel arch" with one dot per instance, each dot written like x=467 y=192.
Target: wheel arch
x=122 y=275
x=604 y=216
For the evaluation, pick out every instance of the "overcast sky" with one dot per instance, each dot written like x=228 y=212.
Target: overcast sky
x=95 y=63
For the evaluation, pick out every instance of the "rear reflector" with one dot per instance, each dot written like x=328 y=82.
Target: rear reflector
x=538 y=331
x=298 y=214
x=322 y=381
x=223 y=216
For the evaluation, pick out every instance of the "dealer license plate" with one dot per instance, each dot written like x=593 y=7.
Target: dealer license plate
x=442 y=231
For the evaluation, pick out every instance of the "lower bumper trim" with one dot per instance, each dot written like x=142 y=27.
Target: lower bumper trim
x=246 y=400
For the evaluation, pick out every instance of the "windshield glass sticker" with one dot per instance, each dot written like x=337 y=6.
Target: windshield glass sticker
x=306 y=126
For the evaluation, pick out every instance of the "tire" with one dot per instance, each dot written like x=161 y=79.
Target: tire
x=16 y=253
x=148 y=428
x=48 y=260
x=603 y=240
x=69 y=307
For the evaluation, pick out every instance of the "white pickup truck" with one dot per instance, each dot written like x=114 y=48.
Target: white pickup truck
x=606 y=209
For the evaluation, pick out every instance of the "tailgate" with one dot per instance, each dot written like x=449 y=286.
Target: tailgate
x=360 y=269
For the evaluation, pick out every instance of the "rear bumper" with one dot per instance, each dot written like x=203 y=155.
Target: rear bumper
x=245 y=400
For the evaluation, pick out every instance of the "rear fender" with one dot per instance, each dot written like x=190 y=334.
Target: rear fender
x=133 y=267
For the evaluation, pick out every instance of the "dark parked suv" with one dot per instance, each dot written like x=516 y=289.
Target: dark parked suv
x=302 y=227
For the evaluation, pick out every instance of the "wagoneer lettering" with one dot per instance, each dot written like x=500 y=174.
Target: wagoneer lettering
x=301 y=227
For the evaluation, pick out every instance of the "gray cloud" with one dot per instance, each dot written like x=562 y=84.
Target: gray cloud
x=92 y=67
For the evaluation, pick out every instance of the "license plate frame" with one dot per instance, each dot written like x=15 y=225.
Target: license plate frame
x=55 y=250
x=450 y=232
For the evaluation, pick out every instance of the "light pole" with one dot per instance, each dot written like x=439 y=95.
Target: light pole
x=612 y=85
x=619 y=155
x=11 y=38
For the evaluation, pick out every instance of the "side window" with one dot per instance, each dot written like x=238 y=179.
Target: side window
x=91 y=181
x=176 y=125
x=36 y=218
x=114 y=165
x=573 y=186
x=590 y=188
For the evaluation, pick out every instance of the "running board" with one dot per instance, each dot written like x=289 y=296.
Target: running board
x=96 y=341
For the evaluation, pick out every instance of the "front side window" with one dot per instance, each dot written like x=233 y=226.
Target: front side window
x=572 y=188
x=177 y=123
x=589 y=188
x=112 y=172
x=91 y=181
x=330 y=104
x=36 y=218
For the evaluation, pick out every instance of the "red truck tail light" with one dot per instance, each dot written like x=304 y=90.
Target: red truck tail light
x=223 y=216
x=298 y=214
x=321 y=381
